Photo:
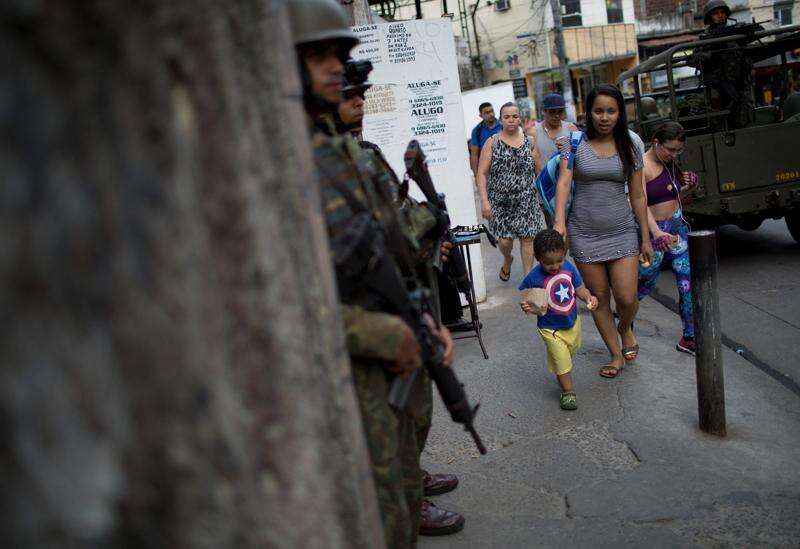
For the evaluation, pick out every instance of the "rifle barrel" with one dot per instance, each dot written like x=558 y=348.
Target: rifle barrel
x=476 y=437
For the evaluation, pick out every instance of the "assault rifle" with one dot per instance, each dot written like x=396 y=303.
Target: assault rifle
x=455 y=267
x=450 y=388
x=748 y=30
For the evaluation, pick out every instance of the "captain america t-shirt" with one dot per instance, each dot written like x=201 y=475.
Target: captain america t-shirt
x=560 y=287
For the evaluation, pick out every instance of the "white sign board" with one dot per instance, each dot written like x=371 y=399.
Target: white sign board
x=416 y=94
x=498 y=95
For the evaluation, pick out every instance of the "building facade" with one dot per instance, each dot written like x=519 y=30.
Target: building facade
x=515 y=41
x=661 y=24
x=603 y=38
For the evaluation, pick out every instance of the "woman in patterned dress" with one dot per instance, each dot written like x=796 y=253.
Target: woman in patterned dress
x=509 y=200
x=604 y=237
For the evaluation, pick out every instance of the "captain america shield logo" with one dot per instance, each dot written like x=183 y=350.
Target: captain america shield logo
x=560 y=293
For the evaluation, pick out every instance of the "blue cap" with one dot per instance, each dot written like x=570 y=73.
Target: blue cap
x=553 y=101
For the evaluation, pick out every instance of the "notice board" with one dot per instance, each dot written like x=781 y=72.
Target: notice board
x=416 y=94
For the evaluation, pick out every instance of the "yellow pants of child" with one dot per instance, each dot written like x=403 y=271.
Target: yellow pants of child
x=561 y=347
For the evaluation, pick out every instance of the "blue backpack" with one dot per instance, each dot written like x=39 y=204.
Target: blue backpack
x=548 y=177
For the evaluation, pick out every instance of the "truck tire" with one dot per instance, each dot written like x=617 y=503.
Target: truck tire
x=750 y=224
x=793 y=224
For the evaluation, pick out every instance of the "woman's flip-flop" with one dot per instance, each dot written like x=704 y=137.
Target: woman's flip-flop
x=630 y=353
x=610 y=371
x=505 y=275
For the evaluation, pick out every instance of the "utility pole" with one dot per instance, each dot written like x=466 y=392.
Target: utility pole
x=481 y=79
x=566 y=81
x=462 y=19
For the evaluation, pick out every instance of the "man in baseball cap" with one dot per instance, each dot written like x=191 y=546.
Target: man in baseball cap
x=551 y=129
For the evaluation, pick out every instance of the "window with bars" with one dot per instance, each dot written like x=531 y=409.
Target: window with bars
x=571 y=13
x=614 y=11
x=782 y=14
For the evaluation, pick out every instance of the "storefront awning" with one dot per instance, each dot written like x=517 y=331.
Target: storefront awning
x=667 y=40
x=583 y=64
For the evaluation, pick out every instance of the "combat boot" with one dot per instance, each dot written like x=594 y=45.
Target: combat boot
x=439 y=522
x=439 y=483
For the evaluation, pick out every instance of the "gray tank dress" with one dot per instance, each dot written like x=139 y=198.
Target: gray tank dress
x=601 y=226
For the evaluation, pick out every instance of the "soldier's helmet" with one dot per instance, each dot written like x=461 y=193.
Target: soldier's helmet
x=714 y=5
x=319 y=21
x=649 y=108
x=356 y=77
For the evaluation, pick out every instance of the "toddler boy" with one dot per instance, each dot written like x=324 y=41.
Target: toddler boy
x=559 y=325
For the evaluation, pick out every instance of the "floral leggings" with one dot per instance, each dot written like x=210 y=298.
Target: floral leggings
x=679 y=261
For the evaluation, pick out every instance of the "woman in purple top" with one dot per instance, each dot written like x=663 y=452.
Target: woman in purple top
x=604 y=236
x=664 y=182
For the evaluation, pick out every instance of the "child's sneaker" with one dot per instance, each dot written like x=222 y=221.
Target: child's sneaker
x=687 y=345
x=568 y=401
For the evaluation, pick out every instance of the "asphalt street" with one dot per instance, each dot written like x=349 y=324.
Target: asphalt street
x=630 y=468
x=759 y=293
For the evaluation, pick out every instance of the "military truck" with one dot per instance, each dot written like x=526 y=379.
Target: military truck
x=747 y=174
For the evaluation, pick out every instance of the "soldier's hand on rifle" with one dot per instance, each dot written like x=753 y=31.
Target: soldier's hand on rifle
x=698 y=58
x=443 y=335
x=444 y=250
x=408 y=357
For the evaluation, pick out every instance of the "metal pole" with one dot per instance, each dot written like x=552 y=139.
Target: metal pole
x=462 y=19
x=477 y=43
x=707 y=332
x=673 y=102
x=785 y=90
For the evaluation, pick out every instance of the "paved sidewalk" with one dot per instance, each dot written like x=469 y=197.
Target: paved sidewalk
x=629 y=468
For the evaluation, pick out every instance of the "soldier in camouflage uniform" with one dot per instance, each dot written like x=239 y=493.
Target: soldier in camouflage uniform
x=727 y=74
x=418 y=221
x=379 y=342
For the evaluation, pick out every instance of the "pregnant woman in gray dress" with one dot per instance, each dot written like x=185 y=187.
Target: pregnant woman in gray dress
x=603 y=234
x=509 y=200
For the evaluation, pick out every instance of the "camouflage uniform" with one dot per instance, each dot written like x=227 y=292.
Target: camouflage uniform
x=728 y=77
x=373 y=339
x=417 y=221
